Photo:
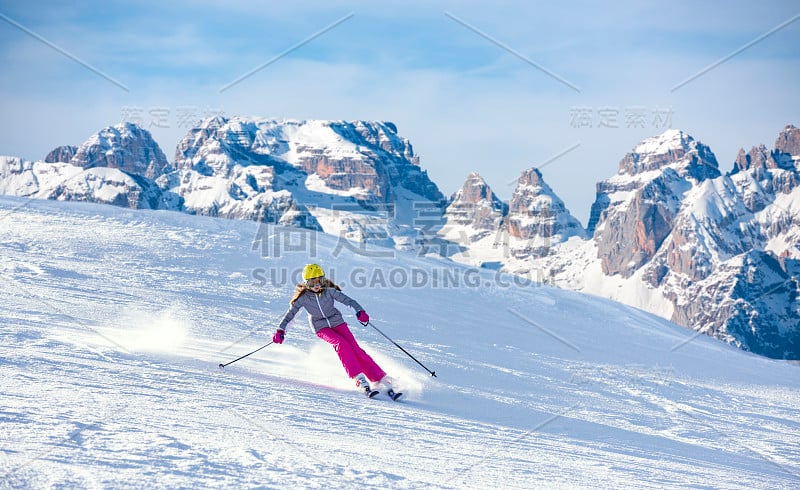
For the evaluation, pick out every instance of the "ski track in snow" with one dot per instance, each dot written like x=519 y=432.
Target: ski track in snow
x=114 y=322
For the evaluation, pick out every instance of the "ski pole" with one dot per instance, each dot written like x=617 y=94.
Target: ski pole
x=433 y=373
x=249 y=353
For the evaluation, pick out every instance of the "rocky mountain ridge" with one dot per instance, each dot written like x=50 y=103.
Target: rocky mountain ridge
x=670 y=233
x=358 y=179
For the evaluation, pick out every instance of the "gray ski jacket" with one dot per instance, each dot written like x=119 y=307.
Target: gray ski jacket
x=321 y=311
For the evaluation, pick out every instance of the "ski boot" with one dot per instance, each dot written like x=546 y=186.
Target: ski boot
x=363 y=384
x=388 y=381
x=393 y=394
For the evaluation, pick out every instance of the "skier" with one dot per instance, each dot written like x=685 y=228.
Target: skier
x=317 y=296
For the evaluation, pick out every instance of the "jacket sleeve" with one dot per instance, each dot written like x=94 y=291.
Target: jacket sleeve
x=346 y=300
x=289 y=315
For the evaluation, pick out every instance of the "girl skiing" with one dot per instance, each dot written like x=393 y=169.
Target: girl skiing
x=317 y=296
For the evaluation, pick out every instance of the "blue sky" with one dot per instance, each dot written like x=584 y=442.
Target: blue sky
x=492 y=87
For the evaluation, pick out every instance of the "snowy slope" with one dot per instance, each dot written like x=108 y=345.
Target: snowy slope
x=114 y=322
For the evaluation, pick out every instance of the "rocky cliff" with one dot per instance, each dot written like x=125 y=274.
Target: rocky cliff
x=61 y=154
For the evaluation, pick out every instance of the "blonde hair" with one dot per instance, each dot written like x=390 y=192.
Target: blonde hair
x=302 y=288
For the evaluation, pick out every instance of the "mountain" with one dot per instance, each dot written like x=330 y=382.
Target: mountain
x=486 y=232
x=218 y=174
x=473 y=213
x=672 y=235
x=115 y=166
x=634 y=211
x=360 y=180
x=538 y=216
x=115 y=321
x=669 y=233
x=735 y=245
x=67 y=182
x=61 y=154
x=126 y=147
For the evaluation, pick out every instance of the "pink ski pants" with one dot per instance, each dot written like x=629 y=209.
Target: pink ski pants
x=353 y=357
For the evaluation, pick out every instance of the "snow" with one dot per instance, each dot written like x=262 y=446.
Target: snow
x=312 y=134
x=204 y=192
x=35 y=179
x=315 y=183
x=671 y=139
x=108 y=183
x=789 y=202
x=114 y=322
x=622 y=179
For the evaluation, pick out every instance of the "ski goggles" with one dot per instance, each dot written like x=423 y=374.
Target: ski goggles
x=315 y=281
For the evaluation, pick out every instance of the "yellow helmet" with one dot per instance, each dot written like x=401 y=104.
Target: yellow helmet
x=310 y=271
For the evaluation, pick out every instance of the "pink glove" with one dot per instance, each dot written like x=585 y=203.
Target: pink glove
x=279 y=336
x=362 y=316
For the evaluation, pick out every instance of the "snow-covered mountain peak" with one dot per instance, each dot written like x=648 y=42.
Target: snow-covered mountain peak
x=761 y=172
x=473 y=190
x=476 y=193
x=330 y=175
x=341 y=155
x=474 y=212
x=670 y=140
x=528 y=226
x=673 y=149
x=532 y=190
x=213 y=122
x=684 y=235
x=535 y=211
x=533 y=177
x=635 y=210
x=125 y=146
